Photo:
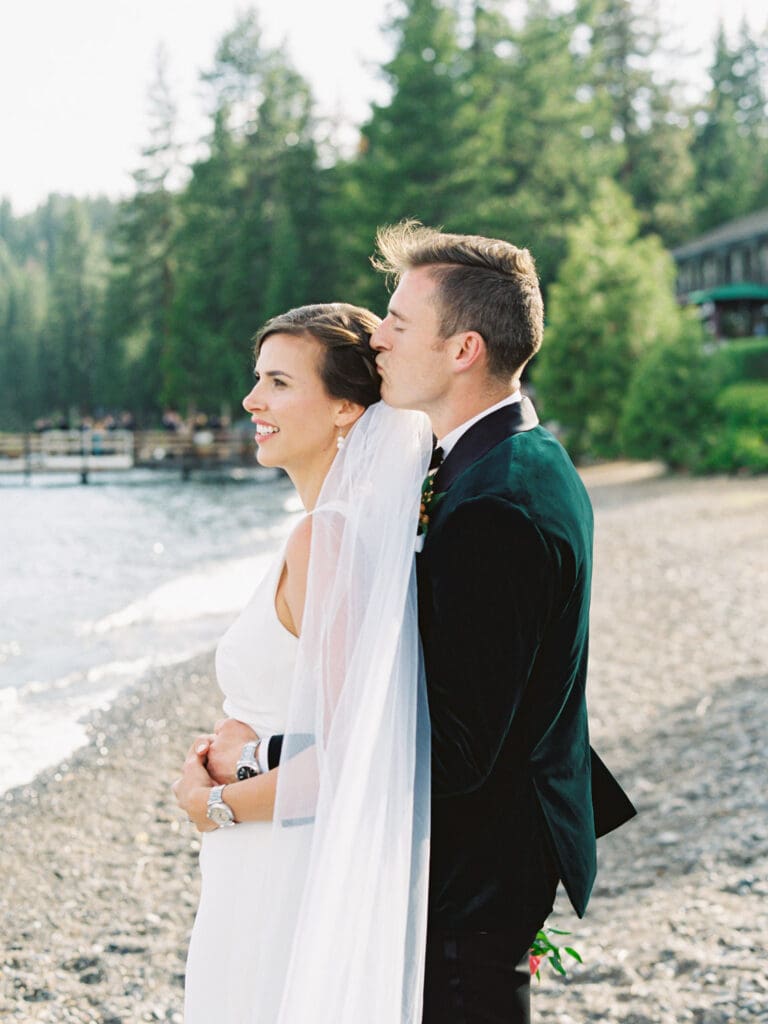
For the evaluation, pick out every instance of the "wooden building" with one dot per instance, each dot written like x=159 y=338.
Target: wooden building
x=725 y=273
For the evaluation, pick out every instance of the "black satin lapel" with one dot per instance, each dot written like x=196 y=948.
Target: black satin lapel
x=484 y=435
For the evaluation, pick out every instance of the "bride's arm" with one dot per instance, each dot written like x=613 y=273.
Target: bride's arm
x=251 y=799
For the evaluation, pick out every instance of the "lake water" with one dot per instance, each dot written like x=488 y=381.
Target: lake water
x=100 y=583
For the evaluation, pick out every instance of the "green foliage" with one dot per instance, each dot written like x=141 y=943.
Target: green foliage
x=70 y=344
x=250 y=240
x=649 y=123
x=613 y=300
x=534 y=139
x=739 y=450
x=543 y=947
x=409 y=152
x=669 y=412
x=731 y=144
x=22 y=309
x=683 y=407
x=745 y=405
x=743 y=441
x=409 y=144
x=742 y=360
x=53 y=266
x=513 y=130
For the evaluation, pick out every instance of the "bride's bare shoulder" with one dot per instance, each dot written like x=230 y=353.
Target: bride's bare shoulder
x=298 y=547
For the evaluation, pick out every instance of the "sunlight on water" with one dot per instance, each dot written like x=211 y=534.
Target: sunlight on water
x=99 y=585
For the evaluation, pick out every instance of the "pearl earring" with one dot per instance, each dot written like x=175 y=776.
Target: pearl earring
x=340 y=442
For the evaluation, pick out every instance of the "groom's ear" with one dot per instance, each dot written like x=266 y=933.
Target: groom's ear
x=470 y=351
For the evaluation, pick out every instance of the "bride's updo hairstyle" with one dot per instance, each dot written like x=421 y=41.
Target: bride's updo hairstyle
x=348 y=367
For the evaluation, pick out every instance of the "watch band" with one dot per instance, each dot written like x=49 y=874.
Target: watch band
x=248 y=765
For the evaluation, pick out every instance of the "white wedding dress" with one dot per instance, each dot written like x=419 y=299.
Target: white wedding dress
x=320 y=916
x=255 y=662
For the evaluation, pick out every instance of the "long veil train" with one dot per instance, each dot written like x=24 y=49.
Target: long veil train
x=342 y=933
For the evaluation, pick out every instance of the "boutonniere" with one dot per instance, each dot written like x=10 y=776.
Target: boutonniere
x=428 y=501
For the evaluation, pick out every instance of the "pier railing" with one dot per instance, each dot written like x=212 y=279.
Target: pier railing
x=92 y=451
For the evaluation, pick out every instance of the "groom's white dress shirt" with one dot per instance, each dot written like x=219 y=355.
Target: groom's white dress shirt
x=450 y=439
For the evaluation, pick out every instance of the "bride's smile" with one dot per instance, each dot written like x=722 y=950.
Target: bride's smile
x=264 y=430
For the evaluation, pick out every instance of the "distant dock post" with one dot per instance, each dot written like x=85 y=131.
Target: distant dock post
x=84 y=454
x=27 y=458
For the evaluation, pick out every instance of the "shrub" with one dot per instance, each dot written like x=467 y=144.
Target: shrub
x=742 y=360
x=612 y=301
x=743 y=440
x=745 y=405
x=670 y=410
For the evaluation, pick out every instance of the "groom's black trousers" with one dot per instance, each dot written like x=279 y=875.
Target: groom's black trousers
x=484 y=977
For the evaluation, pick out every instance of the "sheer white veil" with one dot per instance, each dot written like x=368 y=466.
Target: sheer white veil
x=342 y=932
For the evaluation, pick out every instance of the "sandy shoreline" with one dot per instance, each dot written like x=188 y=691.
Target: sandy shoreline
x=98 y=868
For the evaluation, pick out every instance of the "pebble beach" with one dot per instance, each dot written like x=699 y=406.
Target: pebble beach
x=98 y=868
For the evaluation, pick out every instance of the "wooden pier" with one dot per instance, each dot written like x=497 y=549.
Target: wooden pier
x=85 y=452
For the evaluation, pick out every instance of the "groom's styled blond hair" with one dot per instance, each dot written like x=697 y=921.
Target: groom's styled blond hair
x=484 y=285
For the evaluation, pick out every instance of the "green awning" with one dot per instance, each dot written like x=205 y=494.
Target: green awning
x=730 y=293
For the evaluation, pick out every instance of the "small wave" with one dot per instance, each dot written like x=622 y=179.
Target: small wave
x=9 y=649
x=36 y=734
x=9 y=697
x=218 y=591
x=111 y=670
x=35 y=742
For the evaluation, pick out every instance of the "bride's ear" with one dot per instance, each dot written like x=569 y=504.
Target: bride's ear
x=348 y=413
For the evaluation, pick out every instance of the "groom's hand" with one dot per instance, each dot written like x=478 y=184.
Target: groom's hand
x=226 y=746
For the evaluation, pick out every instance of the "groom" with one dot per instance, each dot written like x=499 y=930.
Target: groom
x=504 y=586
x=504 y=578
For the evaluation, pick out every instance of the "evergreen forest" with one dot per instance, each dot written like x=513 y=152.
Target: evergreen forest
x=560 y=132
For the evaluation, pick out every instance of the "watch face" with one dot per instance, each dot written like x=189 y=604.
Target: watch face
x=220 y=814
x=246 y=771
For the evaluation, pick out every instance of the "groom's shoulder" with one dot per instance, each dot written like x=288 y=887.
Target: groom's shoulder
x=523 y=466
x=529 y=472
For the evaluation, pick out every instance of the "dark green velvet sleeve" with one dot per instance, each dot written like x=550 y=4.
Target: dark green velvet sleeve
x=494 y=579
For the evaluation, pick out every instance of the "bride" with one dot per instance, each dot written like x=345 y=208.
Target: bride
x=314 y=875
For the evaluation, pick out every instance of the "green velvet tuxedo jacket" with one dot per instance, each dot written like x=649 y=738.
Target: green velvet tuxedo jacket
x=504 y=588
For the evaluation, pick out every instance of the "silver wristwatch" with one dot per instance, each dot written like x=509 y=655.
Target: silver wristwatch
x=248 y=765
x=218 y=812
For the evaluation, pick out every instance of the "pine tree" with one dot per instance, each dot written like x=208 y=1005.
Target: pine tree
x=22 y=309
x=533 y=151
x=649 y=122
x=71 y=345
x=142 y=281
x=409 y=153
x=251 y=242
x=201 y=362
x=731 y=146
x=612 y=300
